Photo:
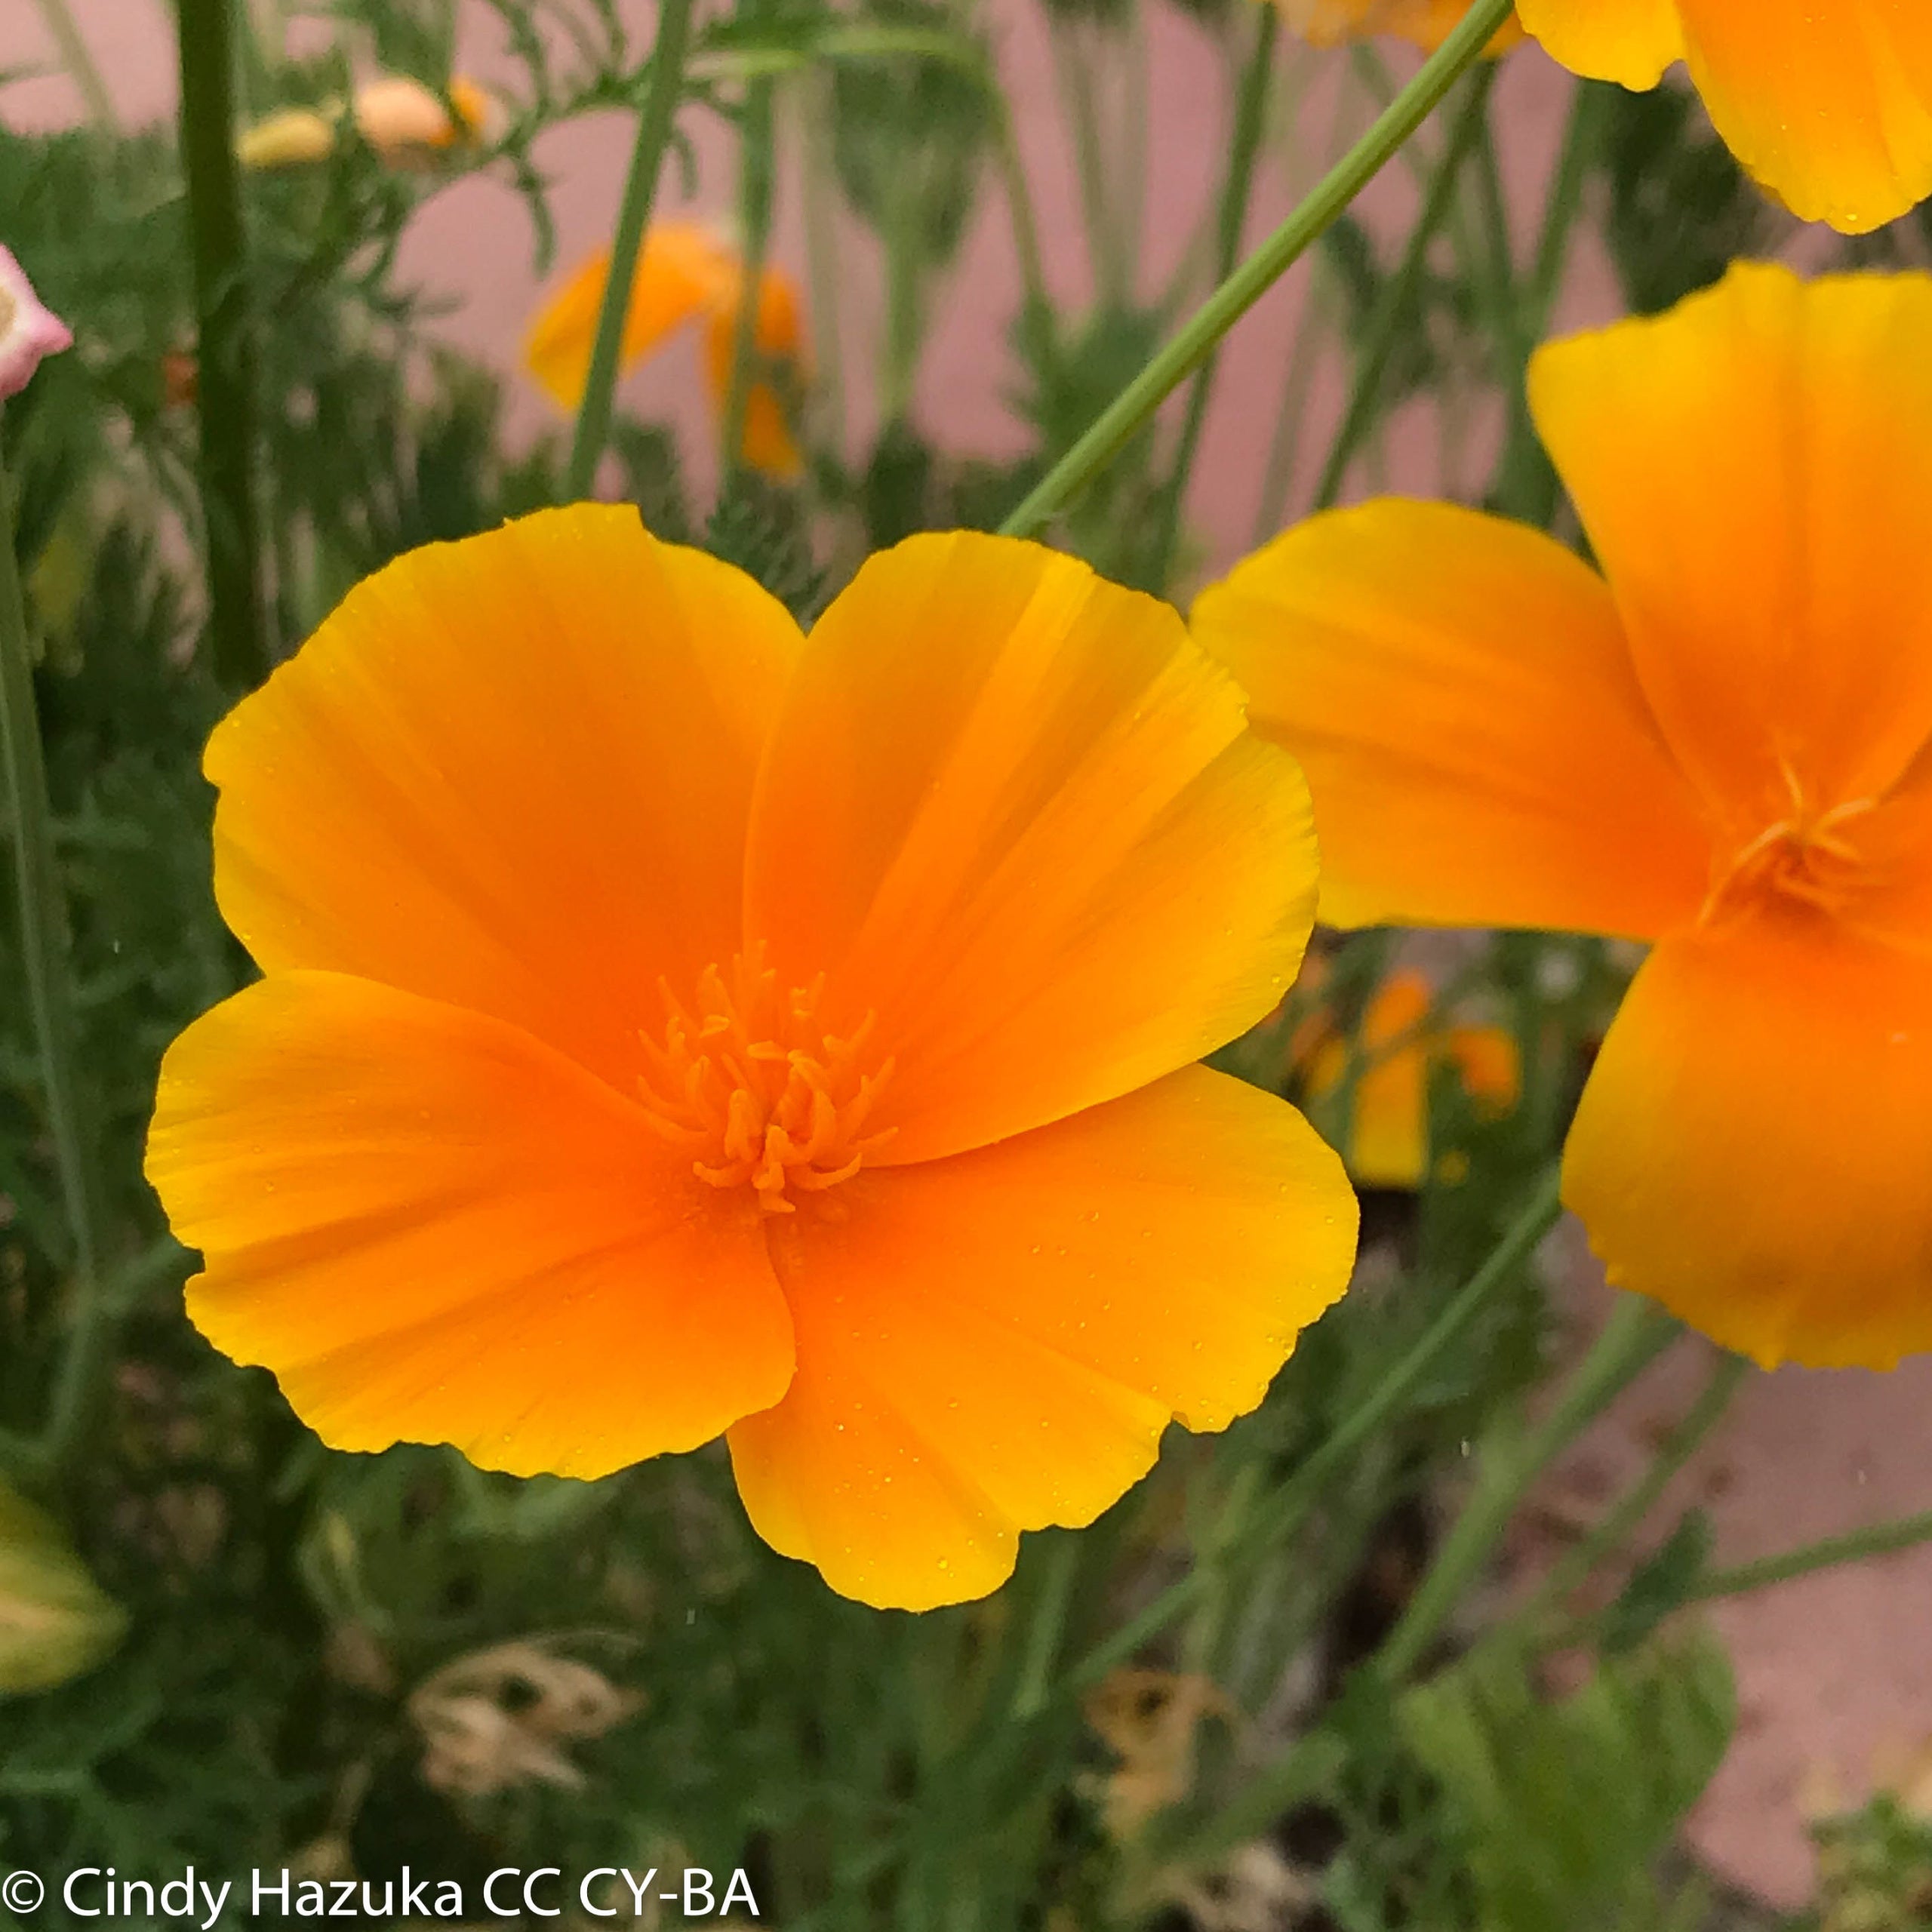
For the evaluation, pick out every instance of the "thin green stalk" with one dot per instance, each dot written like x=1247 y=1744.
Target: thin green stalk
x=1284 y=445
x=1191 y=344
x=225 y=384
x=1638 y=1331
x=757 y=171
x=69 y=42
x=1877 y=1540
x=43 y=917
x=821 y=212
x=663 y=90
x=1304 y=1489
x=1250 y=116
x=1528 y=484
x=1397 y=301
x=1047 y=1626
x=1317 y=319
x=1036 y=310
x=1131 y=148
x=1622 y=1520
x=1073 y=73
x=1564 y=204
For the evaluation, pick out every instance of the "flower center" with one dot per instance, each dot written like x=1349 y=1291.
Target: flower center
x=748 y=1079
x=1808 y=854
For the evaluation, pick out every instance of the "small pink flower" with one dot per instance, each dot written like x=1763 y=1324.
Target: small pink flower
x=27 y=331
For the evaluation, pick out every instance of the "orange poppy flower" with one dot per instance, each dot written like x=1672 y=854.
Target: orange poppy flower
x=1830 y=106
x=1722 y=745
x=1427 y=22
x=686 y=271
x=672 y=1026
x=1401 y=1043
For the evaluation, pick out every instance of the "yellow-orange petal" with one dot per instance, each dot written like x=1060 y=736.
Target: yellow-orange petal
x=1830 y=107
x=514 y=773
x=778 y=337
x=684 y=269
x=1630 y=42
x=1458 y=691
x=1751 y=1149
x=996 y=1343
x=1755 y=469
x=434 y=1229
x=1428 y=23
x=1012 y=812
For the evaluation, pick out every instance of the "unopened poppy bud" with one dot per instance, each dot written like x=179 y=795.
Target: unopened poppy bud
x=397 y=115
x=291 y=137
x=55 y=1622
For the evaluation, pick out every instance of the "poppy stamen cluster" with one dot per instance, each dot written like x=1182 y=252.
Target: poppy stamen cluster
x=753 y=1082
x=1805 y=854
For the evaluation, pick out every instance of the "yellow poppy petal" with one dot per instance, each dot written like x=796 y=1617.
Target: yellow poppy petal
x=1830 y=107
x=512 y=772
x=1458 y=691
x=996 y=1342
x=1631 y=42
x=684 y=269
x=434 y=1229
x=1755 y=469
x=1014 y=816
x=779 y=337
x=1751 y=1147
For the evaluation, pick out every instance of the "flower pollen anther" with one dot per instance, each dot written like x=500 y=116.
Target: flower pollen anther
x=751 y=1081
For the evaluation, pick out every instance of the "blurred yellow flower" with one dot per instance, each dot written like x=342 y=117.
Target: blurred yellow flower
x=1830 y=106
x=686 y=271
x=398 y=117
x=1722 y=745
x=674 y=1025
x=1400 y=1044
x=1427 y=22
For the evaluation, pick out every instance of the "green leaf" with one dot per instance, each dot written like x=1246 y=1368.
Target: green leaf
x=1560 y=1806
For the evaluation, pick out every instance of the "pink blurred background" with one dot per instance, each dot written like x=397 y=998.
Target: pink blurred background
x=1834 y=1672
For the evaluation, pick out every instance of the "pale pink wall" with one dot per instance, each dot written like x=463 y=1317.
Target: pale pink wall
x=1830 y=1671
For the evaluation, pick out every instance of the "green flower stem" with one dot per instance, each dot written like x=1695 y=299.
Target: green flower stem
x=77 y=62
x=1073 y=72
x=1638 y=1331
x=1250 y=116
x=664 y=88
x=1036 y=311
x=1398 y=292
x=1877 y=1540
x=1290 y=1507
x=1528 y=484
x=1194 y=342
x=1317 y=320
x=1622 y=1520
x=1046 y=1627
x=225 y=381
x=812 y=125
x=43 y=919
x=755 y=185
